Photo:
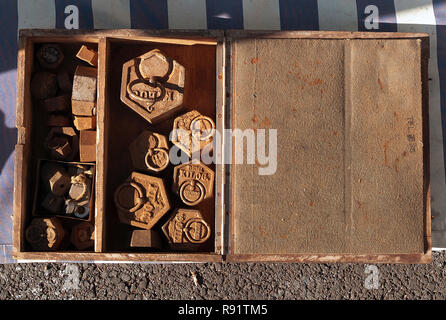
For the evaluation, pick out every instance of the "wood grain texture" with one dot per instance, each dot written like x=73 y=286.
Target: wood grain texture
x=241 y=34
x=183 y=37
x=22 y=149
x=220 y=176
x=251 y=243
x=117 y=256
x=101 y=163
x=340 y=258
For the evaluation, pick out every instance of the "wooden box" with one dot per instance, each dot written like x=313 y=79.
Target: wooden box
x=351 y=113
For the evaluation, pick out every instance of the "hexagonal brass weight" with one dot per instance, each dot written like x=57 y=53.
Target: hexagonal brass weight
x=193 y=182
x=153 y=85
x=55 y=104
x=186 y=229
x=82 y=235
x=52 y=203
x=150 y=151
x=141 y=200
x=45 y=234
x=62 y=143
x=50 y=56
x=43 y=85
x=192 y=132
x=55 y=178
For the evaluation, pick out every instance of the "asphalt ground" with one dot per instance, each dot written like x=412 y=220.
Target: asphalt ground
x=224 y=281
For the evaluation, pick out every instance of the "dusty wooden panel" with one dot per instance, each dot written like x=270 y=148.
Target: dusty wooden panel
x=181 y=37
x=133 y=257
x=220 y=168
x=351 y=161
x=242 y=34
x=22 y=149
x=101 y=151
x=334 y=258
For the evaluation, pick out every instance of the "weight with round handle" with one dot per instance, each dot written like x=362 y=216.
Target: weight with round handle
x=140 y=200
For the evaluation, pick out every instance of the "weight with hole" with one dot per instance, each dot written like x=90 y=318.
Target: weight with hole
x=153 y=85
x=193 y=182
x=186 y=229
x=141 y=200
x=193 y=132
x=150 y=152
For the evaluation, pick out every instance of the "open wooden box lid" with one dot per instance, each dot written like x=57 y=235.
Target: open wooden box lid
x=352 y=178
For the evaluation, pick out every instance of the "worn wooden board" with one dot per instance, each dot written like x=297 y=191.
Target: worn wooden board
x=117 y=256
x=352 y=188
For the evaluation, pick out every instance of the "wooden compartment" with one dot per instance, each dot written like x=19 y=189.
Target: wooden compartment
x=117 y=127
x=122 y=125
x=32 y=132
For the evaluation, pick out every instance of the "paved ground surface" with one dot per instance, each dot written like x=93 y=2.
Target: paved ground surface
x=224 y=281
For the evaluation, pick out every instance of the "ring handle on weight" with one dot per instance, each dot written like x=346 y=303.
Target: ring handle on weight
x=149 y=154
x=82 y=180
x=193 y=183
x=83 y=214
x=139 y=203
x=211 y=130
x=84 y=191
x=187 y=228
